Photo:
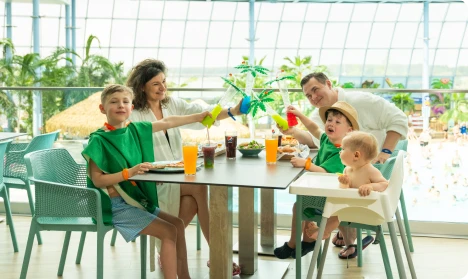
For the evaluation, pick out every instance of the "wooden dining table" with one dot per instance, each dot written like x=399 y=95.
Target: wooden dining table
x=249 y=174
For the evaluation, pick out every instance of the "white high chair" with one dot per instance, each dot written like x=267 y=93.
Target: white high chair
x=368 y=212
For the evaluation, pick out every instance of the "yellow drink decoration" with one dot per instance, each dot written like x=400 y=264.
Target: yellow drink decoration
x=280 y=121
x=190 y=153
x=208 y=121
x=271 y=147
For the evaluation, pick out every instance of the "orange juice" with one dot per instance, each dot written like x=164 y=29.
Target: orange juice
x=190 y=159
x=271 y=146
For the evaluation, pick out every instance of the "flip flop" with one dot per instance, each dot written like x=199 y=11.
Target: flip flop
x=338 y=237
x=366 y=241
x=236 y=270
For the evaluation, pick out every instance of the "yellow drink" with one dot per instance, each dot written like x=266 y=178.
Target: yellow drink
x=281 y=121
x=190 y=153
x=271 y=146
x=208 y=121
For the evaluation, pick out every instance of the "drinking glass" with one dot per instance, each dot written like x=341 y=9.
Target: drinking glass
x=231 y=144
x=271 y=148
x=190 y=153
x=209 y=154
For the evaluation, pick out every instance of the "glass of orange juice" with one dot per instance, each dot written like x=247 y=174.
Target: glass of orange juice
x=271 y=147
x=190 y=153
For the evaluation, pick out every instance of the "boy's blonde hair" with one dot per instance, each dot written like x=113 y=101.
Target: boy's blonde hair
x=112 y=88
x=361 y=141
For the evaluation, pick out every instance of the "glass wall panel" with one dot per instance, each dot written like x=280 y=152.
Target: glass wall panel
x=353 y=61
x=381 y=35
x=398 y=61
x=22 y=33
x=196 y=34
x=99 y=28
x=452 y=34
x=240 y=34
x=223 y=11
x=341 y=12
x=332 y=59
x=242 y=12
x=219 y=34
x=376 y=62
x=358 y=35
x=364 y=12
x=294 y=12
x=123 y=33
x=80 y=32
x=312 y=35
x=416 y=63
x=457 y=12
x=171 y=58
x=100 y=9
x=260 y=54
x=172 y=33
x=199 y=10
x=151 y=9
x=175 y=10
x=124 y=55
x=434 y=35
x=126 y=9
x=444 y=62
x=462 y=67
x=414 y=83
x=335 y=35
x=144 y=53
x=147 y=33
x=438 y=11
x=387 y=12
x=280 y=54
x=465 y=38
x=318 y=12
x=411 y=12
x=192 y=61
x=21 y=9
x=289 y=35
x=50 y=32
x=266 y=33
x=271 y=11
x=405 y=35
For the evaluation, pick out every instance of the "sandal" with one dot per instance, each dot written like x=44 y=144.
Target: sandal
x=236 y=270
x=338 y=238
x=366 y=241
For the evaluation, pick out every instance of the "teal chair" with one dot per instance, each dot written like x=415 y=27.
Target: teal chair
x=64 y=203
x=315 y=205
x=14 y=173
x=4 y=195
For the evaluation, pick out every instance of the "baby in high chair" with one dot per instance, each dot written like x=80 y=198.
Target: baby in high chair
x=358 y=151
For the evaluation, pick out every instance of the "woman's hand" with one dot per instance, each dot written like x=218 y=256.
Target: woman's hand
x=298 y=162
x=200 y=116
x=236 y=110
x=289 y=131
x=139 y=169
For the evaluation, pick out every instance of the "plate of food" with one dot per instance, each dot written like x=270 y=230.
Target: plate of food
x=286 y=152
x=251 y=148
x=169 y=166
x=288 y=140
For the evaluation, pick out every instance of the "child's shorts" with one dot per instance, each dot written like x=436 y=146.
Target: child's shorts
x=130 y=220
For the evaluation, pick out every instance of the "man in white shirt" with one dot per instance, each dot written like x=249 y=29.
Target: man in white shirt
x=375 y=115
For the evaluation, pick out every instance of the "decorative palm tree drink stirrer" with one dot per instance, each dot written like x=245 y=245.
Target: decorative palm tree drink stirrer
x=283 y=88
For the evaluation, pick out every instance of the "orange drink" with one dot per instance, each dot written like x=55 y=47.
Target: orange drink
x=190 y=153
x=271 y=147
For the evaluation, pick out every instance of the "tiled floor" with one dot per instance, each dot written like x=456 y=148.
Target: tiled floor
x=434 y=258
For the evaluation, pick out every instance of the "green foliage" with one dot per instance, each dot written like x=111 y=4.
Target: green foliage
x=348 y=85
x=403 y=101
x=260 y=100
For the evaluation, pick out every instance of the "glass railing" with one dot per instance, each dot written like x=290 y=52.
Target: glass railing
x=436 y=178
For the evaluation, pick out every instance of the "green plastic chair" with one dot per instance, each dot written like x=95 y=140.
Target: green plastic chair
x=64 y=203
x=14 y=173
x=4 y=195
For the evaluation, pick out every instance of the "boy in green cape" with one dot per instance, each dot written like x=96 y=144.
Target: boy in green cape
x=121 y=150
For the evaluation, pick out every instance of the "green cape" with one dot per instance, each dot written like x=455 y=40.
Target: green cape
x=113 y=151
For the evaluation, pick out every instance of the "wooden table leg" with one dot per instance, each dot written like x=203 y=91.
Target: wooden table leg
x=268 y=218
x=220 y=232
x=248 y=230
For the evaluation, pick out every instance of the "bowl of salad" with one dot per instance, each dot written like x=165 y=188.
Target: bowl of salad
x=251 y=148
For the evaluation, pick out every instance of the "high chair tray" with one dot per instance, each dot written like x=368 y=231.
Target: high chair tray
x=324 y=185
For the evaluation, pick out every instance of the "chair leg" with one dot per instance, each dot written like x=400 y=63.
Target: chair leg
x=323 y=258
x=27 y=252
x=143 y=240
x=198 y=235
x=63 y=258
x=405 y=244
x=100 y=255
x=405 y=219
x=80 y=248
x=359 y=247
x=384 y=252
x=369 y=232
x=114 y=237
x=318 y=243
x=396 y=250
x=9 y=220
x=298 y=235
x=31 y=207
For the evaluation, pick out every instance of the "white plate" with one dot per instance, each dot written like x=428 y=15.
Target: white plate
x=170 y=170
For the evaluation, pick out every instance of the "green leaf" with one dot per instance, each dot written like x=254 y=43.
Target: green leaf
x=267 y=100
x=262 y=106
